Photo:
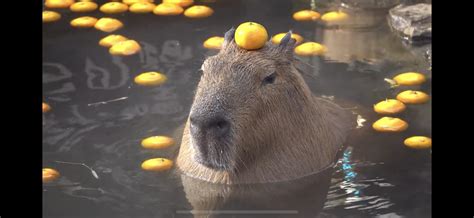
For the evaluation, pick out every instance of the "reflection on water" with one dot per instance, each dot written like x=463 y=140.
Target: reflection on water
x=101 y=78
x=280 y=199
x=99 y=117
x=52 y=74
x=348 y=192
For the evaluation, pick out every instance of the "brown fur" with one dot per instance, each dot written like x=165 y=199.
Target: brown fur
x=280 y=131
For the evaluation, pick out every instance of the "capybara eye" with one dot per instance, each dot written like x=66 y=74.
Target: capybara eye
x=269 y=79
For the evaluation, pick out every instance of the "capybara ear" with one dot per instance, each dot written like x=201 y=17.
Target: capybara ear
x=287 y=44
x=229 y=38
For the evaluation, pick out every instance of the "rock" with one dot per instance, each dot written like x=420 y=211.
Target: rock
x=370 y=4
x=367 y=4
x=412 y=22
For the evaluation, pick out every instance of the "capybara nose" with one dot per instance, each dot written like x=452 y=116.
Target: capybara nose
x=213 y=126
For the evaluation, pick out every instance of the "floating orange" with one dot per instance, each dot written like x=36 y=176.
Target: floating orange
x=84 y=22
x=418 y=142
x=198 y=11
x=128 y=47
x=131 y=2
x=182 y=3
x=413 y=97
x=168 y=9
x=46 y=107
x=390 y=124
x=157 y=164
x=111 y=40
x=410 y=79
x=50 y=175
x=334 y=16
x=108 y=24
x=58 y=3
x=214 y=42
x=157 y=142
x=310 y=49
x=83 y=7
x=306 y=15
x=50 y=16
x=142 y=7
x=150 y=79
x=277 y=38
x=389 y=106
x=113 y=7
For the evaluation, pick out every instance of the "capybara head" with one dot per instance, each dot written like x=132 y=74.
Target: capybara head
x=242 y=100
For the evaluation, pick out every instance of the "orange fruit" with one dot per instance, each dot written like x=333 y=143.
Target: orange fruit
x=50 y=175
x=84 y=22
x=50 y=16
x=157 y=142
x=142 y=7
x=389 y=106
x=168 y=9
x=58 y=3
x=150 y=79
x=334 y=16
x=198 y=11
x=310 y=49
x=277 y=38
x=418 y=142
x=111 y=40
x=131 y=2
x=413 y=97
x=306 y=15
x=390 y=124
x=83 y=6
x=157 y=164
x=113 y=7
x=214 y=42
x=128 y=47
x=108 y=24
x=182 y=3
x=410 y=79
x=46 y=107
x=251 y=35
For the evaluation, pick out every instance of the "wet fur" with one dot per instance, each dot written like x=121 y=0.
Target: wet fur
x=280 y=132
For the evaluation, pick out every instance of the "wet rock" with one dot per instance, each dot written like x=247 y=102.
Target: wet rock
x=370 y=4
x=413 y=22
x=367 y=4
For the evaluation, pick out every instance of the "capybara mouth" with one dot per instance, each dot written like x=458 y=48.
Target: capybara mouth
x=213 y=164
x=212 y=149
x=213 y=156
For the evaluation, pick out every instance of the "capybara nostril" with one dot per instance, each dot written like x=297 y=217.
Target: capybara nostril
x=219 y=126
x=213 y=126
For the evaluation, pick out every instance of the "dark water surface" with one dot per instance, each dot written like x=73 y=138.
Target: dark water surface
x=99 y=116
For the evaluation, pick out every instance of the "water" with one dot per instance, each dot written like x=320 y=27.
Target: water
x=99 y=116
